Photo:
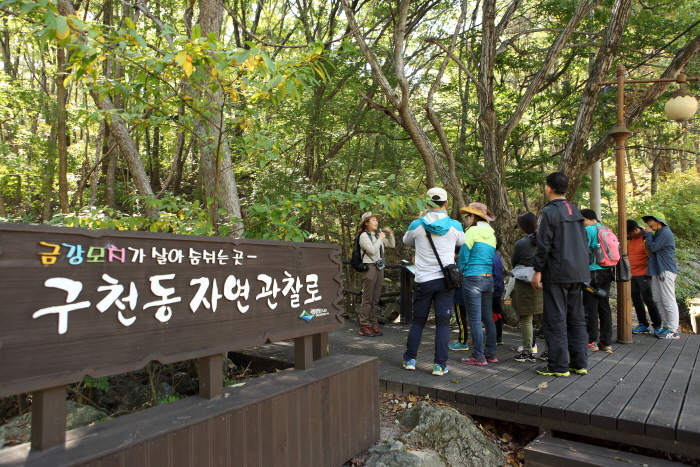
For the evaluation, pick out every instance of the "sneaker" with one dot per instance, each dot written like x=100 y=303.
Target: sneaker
x=533 y=349
x=604 y=348
x=662 y=334
x=410 y=364
x=658 y=330
x=491 y=359
x=671 y=335
x=377 y=331
x=579 y=371
x=593 y=346
x=520 y=348
x=545 y=356
x=641 y=329
x=500 y=342
x=367 y=331
x=474 y=360
x=439 y=370
x=525 y=357
x=459 y=346
x=546 y=371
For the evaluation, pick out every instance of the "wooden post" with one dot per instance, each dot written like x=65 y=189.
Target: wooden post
x=211 y=380
x=621 y=133
x=303 y=353
x=48 y=418
x=320 y=345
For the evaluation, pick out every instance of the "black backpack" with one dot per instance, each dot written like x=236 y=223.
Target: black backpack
x=357 y=256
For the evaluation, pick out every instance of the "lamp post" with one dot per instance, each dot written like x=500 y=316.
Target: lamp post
x=680 y=107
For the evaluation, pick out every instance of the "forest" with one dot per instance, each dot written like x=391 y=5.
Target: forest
x=286 y=119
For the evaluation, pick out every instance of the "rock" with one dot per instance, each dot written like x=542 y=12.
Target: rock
x=454 y=436
x=18 y=429
x=391 y=312
x=393 y=453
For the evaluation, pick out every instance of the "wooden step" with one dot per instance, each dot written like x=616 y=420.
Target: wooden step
x=546 y=451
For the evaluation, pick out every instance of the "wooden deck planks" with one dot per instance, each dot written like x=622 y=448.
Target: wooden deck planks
x=688 y=428
x=663 y=417
x=637 y=368
x=632 y=418
x=581 y=409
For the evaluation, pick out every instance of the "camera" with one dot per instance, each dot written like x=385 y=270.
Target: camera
x=593 y=289
x=380 y=264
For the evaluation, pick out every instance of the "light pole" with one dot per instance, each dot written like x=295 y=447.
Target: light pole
x=680 y=107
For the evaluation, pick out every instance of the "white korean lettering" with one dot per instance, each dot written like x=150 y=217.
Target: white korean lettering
x=113 y=298
x=72 y=289
x=242 y=290
x=312 y=288
x=270 y=289
x=164 y=312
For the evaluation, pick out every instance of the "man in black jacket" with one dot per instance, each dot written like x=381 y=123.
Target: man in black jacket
x=561 y=267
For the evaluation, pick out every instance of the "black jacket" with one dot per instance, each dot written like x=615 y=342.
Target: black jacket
x=562 y=245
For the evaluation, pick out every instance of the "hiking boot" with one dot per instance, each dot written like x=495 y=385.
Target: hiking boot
x=605 y=348
x=579 y=371
x=525 y=357
x=671 y=335
x=459 y=346
x=662 y=333
x=491 y=358
x=367 y=331
x=377 y=331
x=546 y=371
x=500 y=342
x=474 y=360
x=439 y=370
x=641 y=329
x=592 y=346
x=410 y=364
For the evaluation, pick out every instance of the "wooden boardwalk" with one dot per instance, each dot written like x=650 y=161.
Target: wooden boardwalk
x=645 y=394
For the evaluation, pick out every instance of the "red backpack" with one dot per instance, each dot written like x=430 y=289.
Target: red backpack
x=608 y=252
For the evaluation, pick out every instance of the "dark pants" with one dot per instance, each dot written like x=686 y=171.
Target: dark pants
x=461 y=315
x=434 y=293
x=497 y=310
x=642 y=294
x=564 y=326
x=598 y=308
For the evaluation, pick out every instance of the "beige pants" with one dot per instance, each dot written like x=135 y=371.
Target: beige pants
x=372 y=281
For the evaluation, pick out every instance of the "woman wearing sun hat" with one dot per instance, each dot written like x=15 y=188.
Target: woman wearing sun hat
x=663 y=270
x=476 y=263
x=372 y=243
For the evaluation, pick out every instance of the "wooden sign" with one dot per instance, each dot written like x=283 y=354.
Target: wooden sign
x=77 y=302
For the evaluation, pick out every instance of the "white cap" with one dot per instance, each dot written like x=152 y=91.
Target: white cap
x=437 y=194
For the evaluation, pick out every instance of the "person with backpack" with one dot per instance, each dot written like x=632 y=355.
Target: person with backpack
x=371 y=244
x=663 y=271
x=598 y=312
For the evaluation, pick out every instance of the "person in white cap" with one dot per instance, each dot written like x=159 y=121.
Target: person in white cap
x=431 y=287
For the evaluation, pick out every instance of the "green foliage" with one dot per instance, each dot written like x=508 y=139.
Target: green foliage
x=97 y=383
x=170 y=398
x=677 y=198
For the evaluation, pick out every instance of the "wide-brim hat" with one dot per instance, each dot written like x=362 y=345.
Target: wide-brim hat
x=478 y=209
x=657 y=216
x=367 y=215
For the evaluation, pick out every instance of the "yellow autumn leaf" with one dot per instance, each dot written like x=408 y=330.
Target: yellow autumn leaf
x=62 y=35
x=181 y=57
x=187 y=66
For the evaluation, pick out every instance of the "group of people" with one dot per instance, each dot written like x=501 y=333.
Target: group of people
x=555 y=274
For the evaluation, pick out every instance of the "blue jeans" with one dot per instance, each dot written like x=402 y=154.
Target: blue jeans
x=433 y=292
x=478 y=296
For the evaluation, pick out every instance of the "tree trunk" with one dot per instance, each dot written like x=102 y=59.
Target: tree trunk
x=219 y=177
x=61 y=129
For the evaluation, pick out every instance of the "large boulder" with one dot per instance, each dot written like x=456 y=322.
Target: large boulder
x=393 y=453
x=452 y=435
x=18 y=429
